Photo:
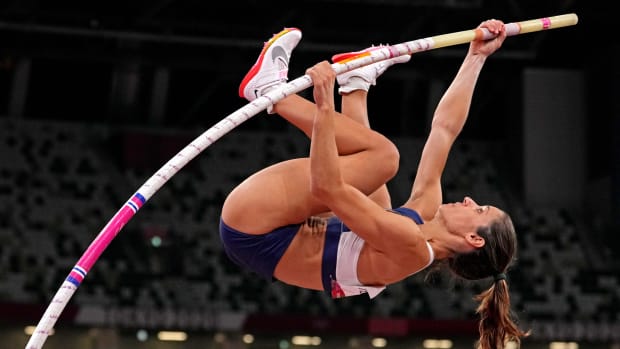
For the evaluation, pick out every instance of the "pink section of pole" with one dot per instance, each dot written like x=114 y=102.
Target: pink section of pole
x=101 y=242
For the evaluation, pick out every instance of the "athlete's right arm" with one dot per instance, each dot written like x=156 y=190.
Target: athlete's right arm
x=448 y=121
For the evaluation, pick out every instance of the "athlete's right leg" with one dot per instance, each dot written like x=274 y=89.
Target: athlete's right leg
x=280 y=194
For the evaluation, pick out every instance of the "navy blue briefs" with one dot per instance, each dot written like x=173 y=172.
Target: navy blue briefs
x=258 y=253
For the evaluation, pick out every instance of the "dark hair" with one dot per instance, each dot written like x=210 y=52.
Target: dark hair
x=497 y=323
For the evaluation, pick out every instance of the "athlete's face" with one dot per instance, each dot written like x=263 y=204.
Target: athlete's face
x=466 y=216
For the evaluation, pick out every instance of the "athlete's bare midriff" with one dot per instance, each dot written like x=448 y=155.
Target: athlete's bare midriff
x=301 y=263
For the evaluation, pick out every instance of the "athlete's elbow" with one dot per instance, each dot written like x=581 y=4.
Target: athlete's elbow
x=328 y=191
x=447 y=126
x=321 y=189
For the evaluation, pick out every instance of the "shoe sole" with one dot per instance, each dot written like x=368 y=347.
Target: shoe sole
x=349 y=56
x=256 y=67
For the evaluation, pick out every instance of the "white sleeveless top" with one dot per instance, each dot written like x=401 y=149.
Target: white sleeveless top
x=349 y=249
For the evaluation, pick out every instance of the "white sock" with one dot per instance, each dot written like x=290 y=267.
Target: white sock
x=354 y=83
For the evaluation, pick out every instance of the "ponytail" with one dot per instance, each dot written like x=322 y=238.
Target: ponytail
x=497 y=325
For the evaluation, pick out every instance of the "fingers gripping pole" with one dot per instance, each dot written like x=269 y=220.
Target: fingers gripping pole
x=174 y=165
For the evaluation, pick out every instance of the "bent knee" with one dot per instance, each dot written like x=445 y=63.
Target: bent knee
x=390 y=157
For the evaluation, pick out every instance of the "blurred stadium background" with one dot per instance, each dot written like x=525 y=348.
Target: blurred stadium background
x=95 y=97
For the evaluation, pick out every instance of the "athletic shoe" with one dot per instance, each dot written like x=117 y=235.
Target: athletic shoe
x=361 y=78
x=271 y=68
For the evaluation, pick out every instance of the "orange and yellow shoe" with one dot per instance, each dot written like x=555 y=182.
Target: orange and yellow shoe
x=271 y=67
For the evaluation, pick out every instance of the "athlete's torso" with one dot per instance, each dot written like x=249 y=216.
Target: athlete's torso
x=301 y=263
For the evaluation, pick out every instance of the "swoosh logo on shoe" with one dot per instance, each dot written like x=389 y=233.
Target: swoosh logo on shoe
x=279 y=55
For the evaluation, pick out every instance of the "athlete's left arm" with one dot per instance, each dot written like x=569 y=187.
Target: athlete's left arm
x=395 y=235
